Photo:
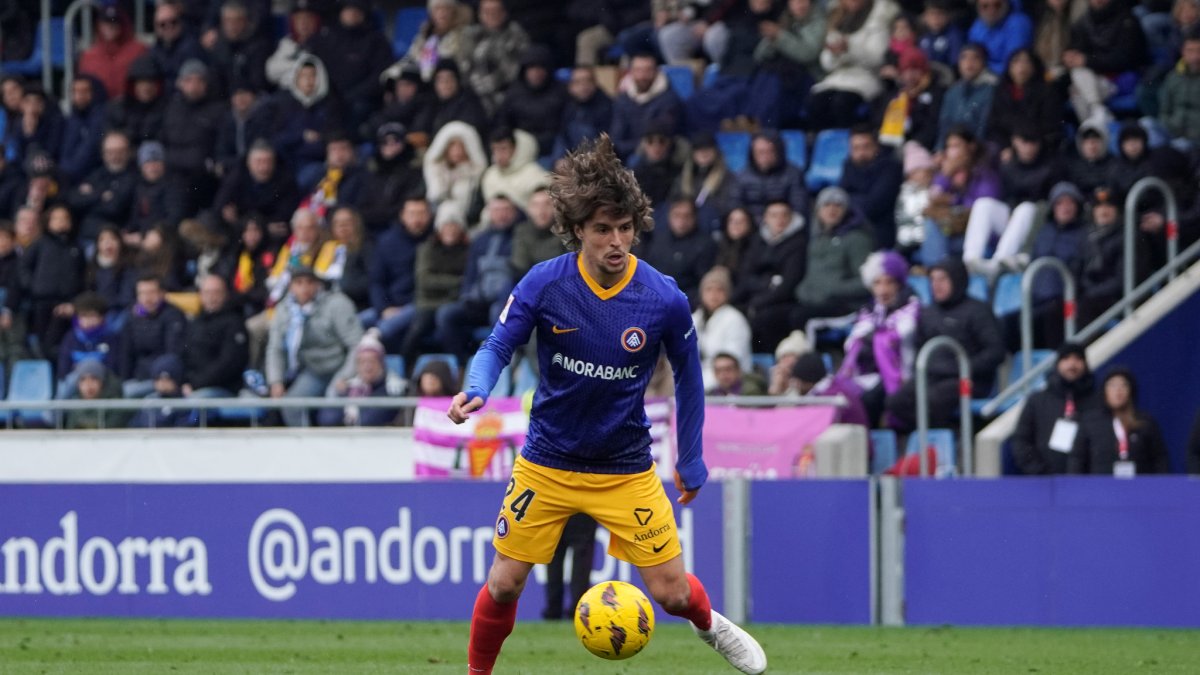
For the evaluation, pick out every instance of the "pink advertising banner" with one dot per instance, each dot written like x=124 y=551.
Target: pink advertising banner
x=763 y=443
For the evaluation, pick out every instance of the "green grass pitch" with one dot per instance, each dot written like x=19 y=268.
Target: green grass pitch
x=185 y=646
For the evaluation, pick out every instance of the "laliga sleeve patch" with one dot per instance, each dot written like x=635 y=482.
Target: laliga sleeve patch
x=504 y=314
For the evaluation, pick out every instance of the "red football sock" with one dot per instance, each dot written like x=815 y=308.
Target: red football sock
x=699 y=610
x=491 y=622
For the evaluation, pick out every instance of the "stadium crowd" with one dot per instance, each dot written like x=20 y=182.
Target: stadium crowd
x=303 y=195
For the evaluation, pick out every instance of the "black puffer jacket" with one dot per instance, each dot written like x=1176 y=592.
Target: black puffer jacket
x=1031 y=441
x=968 y=321
x=52 y=269
x=1111 y=38
x=146 y=337
x=771 y=269
x=189 y=133
x=538 y=110
x=215 y=350
x=1097 y=449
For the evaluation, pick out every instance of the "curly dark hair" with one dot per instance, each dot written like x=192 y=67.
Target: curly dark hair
x=592 y=179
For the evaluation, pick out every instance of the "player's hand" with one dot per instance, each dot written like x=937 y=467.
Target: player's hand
x=460 y=407
x=685 y=495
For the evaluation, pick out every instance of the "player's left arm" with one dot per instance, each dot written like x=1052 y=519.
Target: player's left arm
x=680 y=341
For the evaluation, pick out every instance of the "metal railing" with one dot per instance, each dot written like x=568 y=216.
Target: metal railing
x=1027 y=279
x=1122 y=307
x=47 y=49
x=964 y=400
x=69 y=18
x=1172 y=228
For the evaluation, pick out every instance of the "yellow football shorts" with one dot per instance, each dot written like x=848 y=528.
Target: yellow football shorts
x=634 y=508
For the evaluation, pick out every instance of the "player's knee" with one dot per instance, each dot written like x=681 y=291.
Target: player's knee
x=505 y=588
x=671 y=594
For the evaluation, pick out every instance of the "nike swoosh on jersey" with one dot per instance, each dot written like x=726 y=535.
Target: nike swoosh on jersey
x=658 y=549
x=559 y=331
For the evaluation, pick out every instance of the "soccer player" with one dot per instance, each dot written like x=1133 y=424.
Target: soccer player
x=601 y=318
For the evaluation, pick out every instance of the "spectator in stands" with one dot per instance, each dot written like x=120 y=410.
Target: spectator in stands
x=1105 y=43
x=913 y=198
x=216 y=346
x=453 y=165
x=258 y=184
x=305 y=115
x=441 y=38
x=205 y=249
x=604 y=23
x=1103 y=273
x=12 y=321
x=239 y=53
x=734 y=241
x=533 y=240
x=964 y=177
x=856 y=40
x=434 y=379
x=190 y=124
x=514 y=171
x=535 y=102
x=645 y=96
x=312 y=339
x=1054 y=32
x=106 y=195
x=393 y=176
x=942 y=38
x=488 y=50
x=1027 y=173
x=154 y=327
x=787 y=353
x=683 y=251
x=872 y=178
x=371 y=379
x=95 y=382
x=968 y=102
x=840 y=242
x=340 y=182
x=305 y=37
x=794 y=42
x=40 y=127
x=12 y=179
x=1064 y=237
x=769 y=274
x=159 y=257
x=720 y=327
x=90 y=337
x=115 y=48
x=27 y=227
x=43 y=188
x=655 y=165
x=211 y=21
x=12 y=90
x=1002 y=29
x=730 y=380
x=1185 y=18
x=970 y=322
x=255 y=256
x=1023 y=98
x=587 y=113
x=769 y=177
x=308 y=246
x=1048 y=428
x=347 y=273
x=168 y=375
x=440 y=266
x=82 y=129
x=707 y=182
x=486 y=282
x=248 y=119
x=809 y=377
x=408 y=101
x=913 y=113
x=1179 y=98
x=1092 y=166
x=140 y=109
x=51 y=276
x=882 y=346
x=149 y=194
x=1119 y=438
x=173 y=43
x=455 y=102
x=355 y=51
x=392 y=276
x=110 y=274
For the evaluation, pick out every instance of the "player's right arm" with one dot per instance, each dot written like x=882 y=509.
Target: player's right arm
x=512 y=330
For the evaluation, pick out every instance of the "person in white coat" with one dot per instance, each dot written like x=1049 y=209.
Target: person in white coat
x=720 y=327
x=856 y=42
x=453 y=165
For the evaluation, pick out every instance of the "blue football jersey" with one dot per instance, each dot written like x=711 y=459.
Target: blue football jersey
x=597 y=349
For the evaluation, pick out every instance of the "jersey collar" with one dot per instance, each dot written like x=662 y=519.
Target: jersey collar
x=600 y=291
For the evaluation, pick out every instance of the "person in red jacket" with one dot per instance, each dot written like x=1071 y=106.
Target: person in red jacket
x=115 y=48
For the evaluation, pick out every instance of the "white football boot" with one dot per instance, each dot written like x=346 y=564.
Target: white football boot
x=739 y=649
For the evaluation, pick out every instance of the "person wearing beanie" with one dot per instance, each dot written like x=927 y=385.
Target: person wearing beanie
x=968 y=101
x=371 y=379
x=150 y=199
x=913 y=198
x=191 y=123
x=167 y=372
x=93 y=381
x=1119 y=439
x=872 y=177
x=973 y=325
x=789 y=349
x=882 y=345
x=841 y=241
x=1048 y=428
x=441 y=263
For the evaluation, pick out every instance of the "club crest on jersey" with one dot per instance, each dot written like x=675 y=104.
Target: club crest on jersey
x=633 y=339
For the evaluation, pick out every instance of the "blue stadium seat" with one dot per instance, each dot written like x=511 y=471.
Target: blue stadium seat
x=827 y=359
x=711 y=71
x=920 y=287
x=735 y=146
x=425 y=359
x=395 y=365
x=829 y=154
x=763 y=362
x=977 y=287
x=795 y=144
x=32 y=381
x=943 y=444
x=562 y=74
x=405 y=29
x=32 y=66
x=480 y=334
x=682 y=79
x=1007 y=299
x=883 y=450
x=524 y=379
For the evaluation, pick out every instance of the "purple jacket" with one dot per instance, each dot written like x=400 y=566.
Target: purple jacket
x=891 y=337
x=853 y=412
x=984 y=183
